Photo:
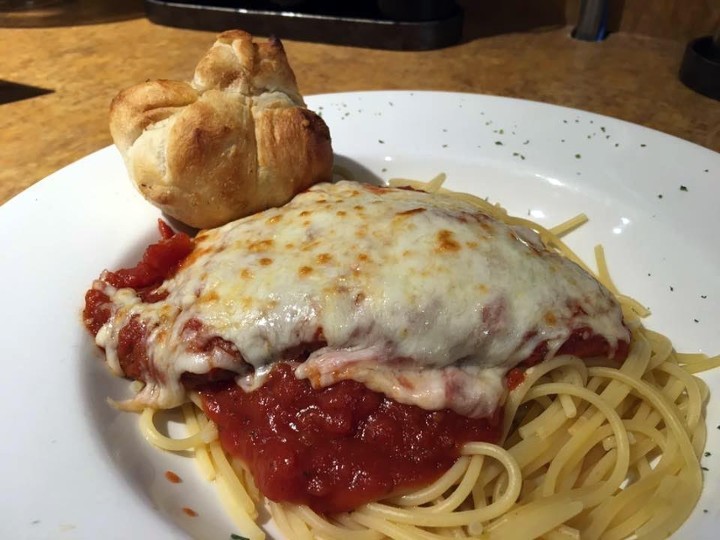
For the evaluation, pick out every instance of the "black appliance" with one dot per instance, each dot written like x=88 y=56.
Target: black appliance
x=382 y=24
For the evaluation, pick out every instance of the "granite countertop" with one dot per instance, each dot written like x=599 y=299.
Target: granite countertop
x=627 y=76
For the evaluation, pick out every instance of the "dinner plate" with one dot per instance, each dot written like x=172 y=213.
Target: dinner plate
x=73 y=467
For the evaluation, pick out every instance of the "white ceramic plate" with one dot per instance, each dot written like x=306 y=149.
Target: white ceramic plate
x=72 y=467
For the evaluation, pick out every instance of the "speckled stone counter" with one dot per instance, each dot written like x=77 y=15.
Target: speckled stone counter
x=626 y=76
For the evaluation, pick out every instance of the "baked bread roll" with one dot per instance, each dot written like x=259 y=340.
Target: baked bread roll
x=236 y=140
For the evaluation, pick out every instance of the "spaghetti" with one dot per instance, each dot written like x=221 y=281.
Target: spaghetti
x=588 y=451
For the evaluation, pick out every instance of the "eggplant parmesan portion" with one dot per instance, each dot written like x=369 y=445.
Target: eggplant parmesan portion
x=420 y=297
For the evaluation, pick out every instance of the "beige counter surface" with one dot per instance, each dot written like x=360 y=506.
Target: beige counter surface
x=626 y=76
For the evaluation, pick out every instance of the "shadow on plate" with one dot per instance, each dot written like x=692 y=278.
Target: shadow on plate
x=345 y=168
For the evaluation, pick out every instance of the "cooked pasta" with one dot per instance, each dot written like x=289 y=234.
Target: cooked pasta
x=588 y=451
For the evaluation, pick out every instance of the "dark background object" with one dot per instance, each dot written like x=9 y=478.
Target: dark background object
x=11 y=91
x=700 y=69
x=380 y=24
x=592 y=22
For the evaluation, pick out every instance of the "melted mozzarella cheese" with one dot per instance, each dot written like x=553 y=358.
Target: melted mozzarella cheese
x=421 y=297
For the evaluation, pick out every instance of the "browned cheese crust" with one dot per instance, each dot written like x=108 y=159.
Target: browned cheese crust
x=235 y=140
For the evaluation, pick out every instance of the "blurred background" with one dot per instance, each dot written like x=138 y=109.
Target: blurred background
x=63 y=61
x=668 y=19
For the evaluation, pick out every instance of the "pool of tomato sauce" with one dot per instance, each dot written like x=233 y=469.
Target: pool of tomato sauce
x=338 y=447
x=332 y=448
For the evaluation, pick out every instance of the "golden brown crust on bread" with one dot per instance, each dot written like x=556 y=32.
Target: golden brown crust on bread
x=236 y=140
x=139 y=106
x=298 y=137
x=236 y=62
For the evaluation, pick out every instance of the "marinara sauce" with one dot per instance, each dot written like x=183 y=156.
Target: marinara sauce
x=159 y=262
x=338 y=447
x=333 y=449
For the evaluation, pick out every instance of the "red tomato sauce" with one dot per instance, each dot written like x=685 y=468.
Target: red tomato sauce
x=333 y=449
x=339 y=447
x=515 y=378
x=159 y=262
x=172 y=477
